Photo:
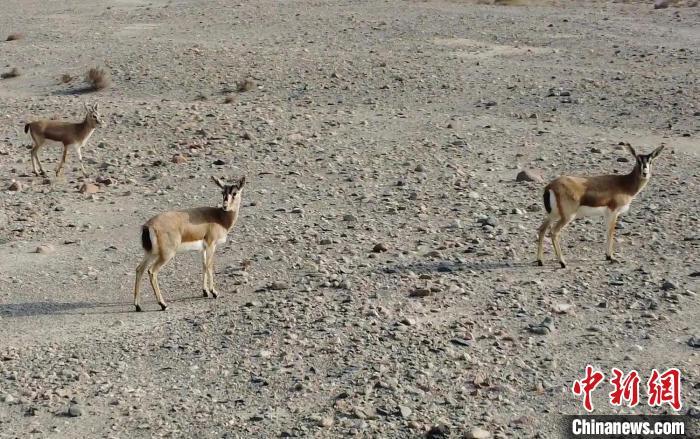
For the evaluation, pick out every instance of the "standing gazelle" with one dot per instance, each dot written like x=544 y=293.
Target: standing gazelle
x=74 y=134
x=567 y=197
x=199 y=229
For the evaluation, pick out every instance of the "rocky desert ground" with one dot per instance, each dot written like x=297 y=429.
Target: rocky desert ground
x=380 y=281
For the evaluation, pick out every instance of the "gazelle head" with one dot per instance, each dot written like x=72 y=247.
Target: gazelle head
x=644 y=160
x=230 y=192
x=93 y=114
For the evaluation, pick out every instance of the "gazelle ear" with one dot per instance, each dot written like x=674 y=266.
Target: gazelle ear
x=657 y=151
x=630 y=149
x=218 y=182
x=241 y=182
x=94 y=107
x=86 y=106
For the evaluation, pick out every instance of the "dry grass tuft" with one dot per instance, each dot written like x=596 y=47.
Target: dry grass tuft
x=13 y=73
x=244 y=85
x=98 y=79
x=66 y=78
x=15 y=36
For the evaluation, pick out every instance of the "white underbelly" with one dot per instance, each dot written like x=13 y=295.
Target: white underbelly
x=584 y=211
x=192 y=246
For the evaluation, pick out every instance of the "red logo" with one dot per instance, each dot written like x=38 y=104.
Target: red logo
x=626 y=389
x=665 y=388
x=662 y=388
x=587 y=385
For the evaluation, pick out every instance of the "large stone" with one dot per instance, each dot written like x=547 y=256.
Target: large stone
x=15 y=186
x=477 y=433
x=529 y=175
x=89 y=188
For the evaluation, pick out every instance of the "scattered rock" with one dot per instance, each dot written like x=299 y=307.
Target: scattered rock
x=563 y=308
x=74 y=411
x=438 y=431
x=420 y=292
x=694 y=412
x=45 y=249
x=15 y=186
x=661 y=4
x=179 y=159
x=326 y=422
x=379 y=248
x=669 y=285
x=89 y=188
x=543 y=328
x=694 y=341
x=477 y=433
x=278 y=286
x=529 y=175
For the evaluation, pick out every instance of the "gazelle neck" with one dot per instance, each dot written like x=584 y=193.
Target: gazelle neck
x=87 y=126
x=232 y=215
x=635 y=180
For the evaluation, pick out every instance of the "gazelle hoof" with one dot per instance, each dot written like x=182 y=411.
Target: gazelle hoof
x=138 y=308
x=163 y=306
x=540 y=263
x=204 y=293
x=214 y=294
x=611 y=259
x=563 y=265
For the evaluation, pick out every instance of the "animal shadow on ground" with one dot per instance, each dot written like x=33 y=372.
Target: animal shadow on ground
x=30 y=309
x=451 y=266
x=75 y=91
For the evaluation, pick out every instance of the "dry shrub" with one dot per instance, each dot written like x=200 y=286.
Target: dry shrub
x=229 y=99
x=15 y=36
x=97 y=78
x=66 y=78
x=244 y=85
x=13 y=73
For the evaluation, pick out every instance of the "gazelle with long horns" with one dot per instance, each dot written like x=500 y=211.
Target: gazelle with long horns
x=74 y=134
x=200 y=229
x=567 y=197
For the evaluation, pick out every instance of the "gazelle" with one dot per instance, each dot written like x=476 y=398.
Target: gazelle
x=566 y=198
x=74 y=134
x=200 y=229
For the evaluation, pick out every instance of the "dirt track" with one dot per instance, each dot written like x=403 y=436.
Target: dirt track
x=400 y=123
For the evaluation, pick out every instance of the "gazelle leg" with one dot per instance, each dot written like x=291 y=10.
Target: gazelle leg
x=205 y=274
x=35 y=156
x=153 y=274
x=541 y=232
x=35 y=170
x=59 y=169
x=612 y=222
x=147 y=261
x=80 y=159
x=210 y=268
x=556 y=235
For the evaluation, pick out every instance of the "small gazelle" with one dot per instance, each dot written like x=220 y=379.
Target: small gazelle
x=200 y=229
x=567 y=197
x=74 y=134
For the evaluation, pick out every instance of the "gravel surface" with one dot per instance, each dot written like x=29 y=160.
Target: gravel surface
x=380 y=281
